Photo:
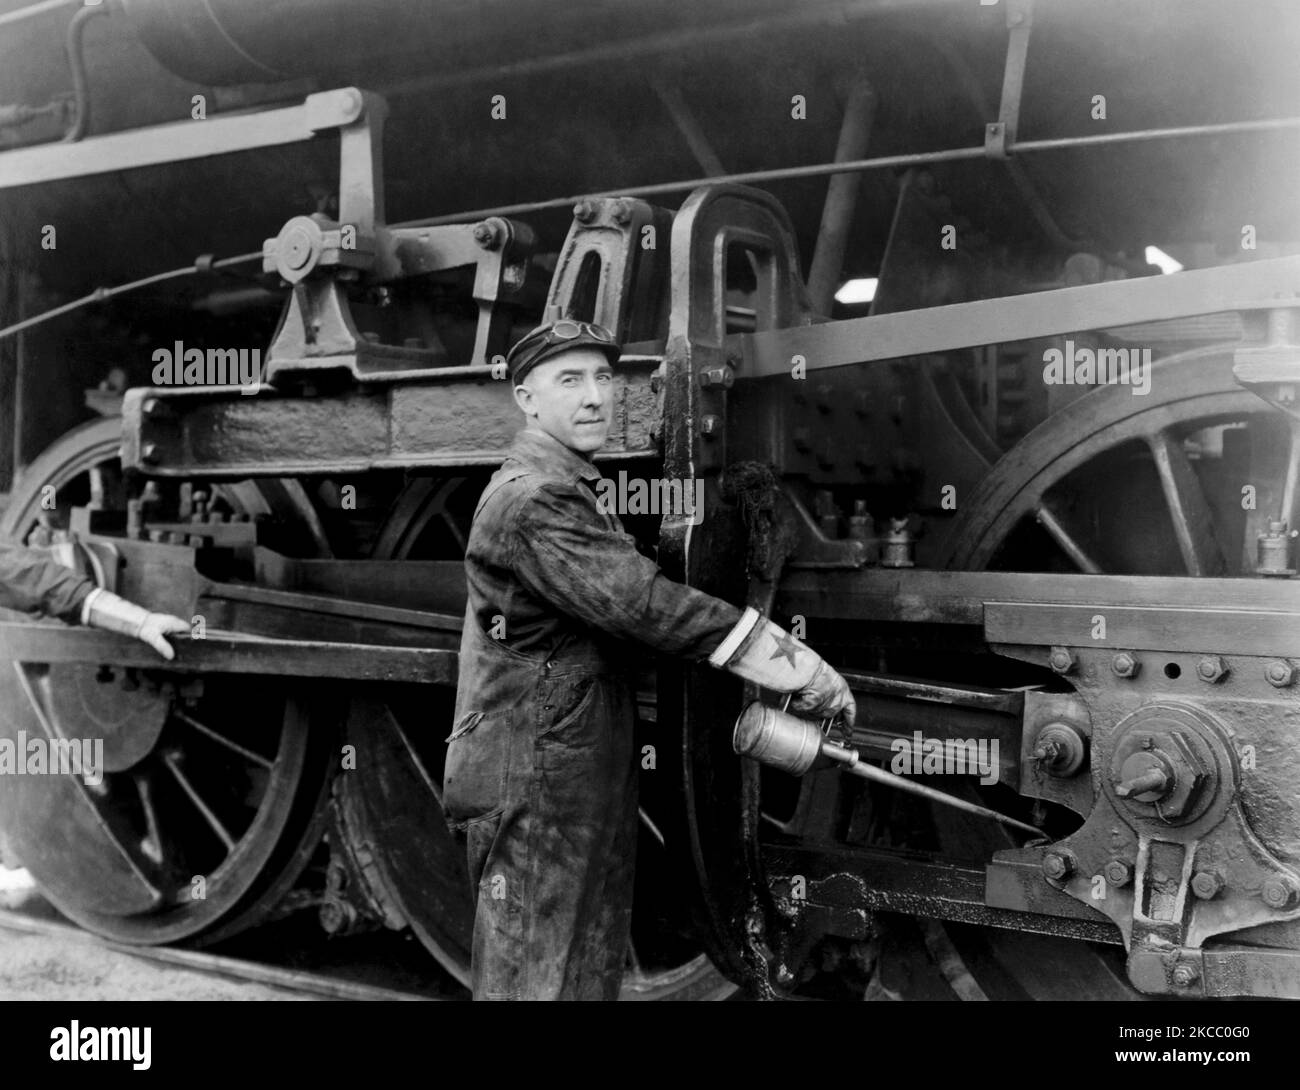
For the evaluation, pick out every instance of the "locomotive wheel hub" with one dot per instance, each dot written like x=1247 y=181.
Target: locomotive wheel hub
x=107 y=703
x=1169 y=764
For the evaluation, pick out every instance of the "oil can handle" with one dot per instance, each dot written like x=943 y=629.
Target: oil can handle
x=826 y=723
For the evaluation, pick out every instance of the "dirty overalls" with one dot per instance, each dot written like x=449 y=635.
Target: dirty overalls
x=541 y=774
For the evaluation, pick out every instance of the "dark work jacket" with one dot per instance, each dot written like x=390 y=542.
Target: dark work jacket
x=32 y=582
x=563 y=586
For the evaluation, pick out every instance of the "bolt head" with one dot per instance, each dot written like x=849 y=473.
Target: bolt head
x=584 y=211
x=1058 y=865
x=1185 y=974
x=150 y=453
x=487 y=235
x=1212 y=668
x=717 y=376
x=711 y=424
x=622 y=212
x=1061 y=660
x=1280 y=892
x=1206 y=884
x=1280 y=674
x=1118 y=872
x=1125 y=665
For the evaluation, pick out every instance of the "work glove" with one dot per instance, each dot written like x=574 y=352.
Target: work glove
x=764 y=653
x=104 y=609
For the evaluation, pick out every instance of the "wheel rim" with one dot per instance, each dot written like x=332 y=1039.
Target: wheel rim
x=204 y=819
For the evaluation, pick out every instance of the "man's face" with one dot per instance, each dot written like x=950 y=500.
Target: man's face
x=570 y=397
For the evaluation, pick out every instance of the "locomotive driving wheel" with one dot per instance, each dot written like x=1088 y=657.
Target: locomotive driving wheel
x=1174 y=482
x=1178 y=481
x=213 y=787
x=423 y=865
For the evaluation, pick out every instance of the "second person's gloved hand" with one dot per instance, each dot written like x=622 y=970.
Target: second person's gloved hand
x=106 y=610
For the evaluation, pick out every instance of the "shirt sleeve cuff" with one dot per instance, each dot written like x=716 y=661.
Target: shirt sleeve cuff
x=731 y=642
x=87 y=602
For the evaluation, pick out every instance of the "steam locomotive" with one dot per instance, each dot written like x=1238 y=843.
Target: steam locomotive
x=972 y=322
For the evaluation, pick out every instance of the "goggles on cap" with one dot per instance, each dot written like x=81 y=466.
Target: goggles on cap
x=533 y=348
x=566 y=329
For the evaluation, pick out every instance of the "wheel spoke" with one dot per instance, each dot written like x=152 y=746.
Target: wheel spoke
x=1050 y=522
x=455 y=529
x=390 y=720
x=654 y=829
x=221 y=739
x=1188 y=508
x=214 y=823
x=151 y=845
x=634 y=963
x=784 y=826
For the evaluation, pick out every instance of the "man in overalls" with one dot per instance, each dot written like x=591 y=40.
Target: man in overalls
x=33 y=582
x=540 y=772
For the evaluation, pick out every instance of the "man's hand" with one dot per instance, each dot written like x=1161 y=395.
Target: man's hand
x=104 y=609
x=826 y=696
x=764 y=653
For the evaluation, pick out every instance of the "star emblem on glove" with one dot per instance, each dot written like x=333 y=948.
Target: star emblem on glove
x=785 y=646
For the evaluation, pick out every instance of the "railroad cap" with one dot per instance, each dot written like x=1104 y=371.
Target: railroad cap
x=552 y=338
